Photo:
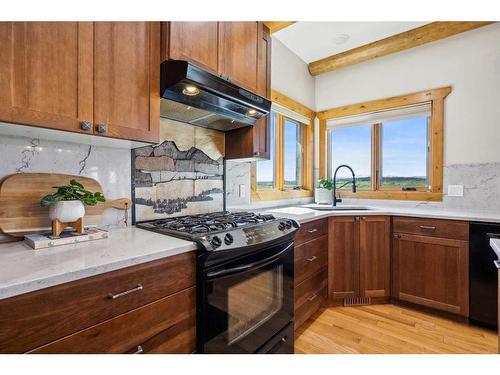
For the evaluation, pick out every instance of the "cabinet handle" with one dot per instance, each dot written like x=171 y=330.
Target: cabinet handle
x=86 y=125
x=138 y=288
x=356 y=218
x=139 y=350
x=363 y=218
x=101 y=128
x=311 y=259
x=312 y=230
x=396 y=236
x=427 y=227
x=313 y=297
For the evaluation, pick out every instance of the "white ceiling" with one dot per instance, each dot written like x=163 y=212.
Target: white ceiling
x=312 y=41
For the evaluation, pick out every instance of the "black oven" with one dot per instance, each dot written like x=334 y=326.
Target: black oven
x=245 y=300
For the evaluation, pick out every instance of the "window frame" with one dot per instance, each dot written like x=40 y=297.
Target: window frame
x=307 y=138
x=435 y=97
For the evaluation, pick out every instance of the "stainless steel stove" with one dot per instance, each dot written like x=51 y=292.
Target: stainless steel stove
x=244 y=279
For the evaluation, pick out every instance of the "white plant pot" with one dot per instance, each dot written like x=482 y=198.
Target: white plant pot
x=322 y=196
x=66 y=211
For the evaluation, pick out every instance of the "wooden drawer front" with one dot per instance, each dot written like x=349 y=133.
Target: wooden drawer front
x=34 y=319
x=311 y=230
x=458 y=230
x=151 y=328
x=309 y=258
x=309 y=296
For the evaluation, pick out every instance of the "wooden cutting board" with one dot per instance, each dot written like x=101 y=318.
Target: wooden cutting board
x=20 y=194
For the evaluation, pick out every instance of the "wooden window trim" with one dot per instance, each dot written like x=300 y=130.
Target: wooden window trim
x=279 y=192
x=436 y=98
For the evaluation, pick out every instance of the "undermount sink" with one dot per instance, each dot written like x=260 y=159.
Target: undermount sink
x=327 y=207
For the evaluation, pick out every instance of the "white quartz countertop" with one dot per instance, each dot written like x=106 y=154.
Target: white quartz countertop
x=304 y=213
x=23 y=269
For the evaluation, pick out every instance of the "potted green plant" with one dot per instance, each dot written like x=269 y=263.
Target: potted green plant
x=323 y=193
x=67 y=203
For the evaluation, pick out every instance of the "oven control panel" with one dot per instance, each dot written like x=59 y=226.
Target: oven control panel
x=254 y=235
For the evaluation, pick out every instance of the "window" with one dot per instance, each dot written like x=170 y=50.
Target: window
x=352 y=146
x=265 y=169
x=292 y=154
x=394 y=145
x=404 y=156
x=287 y=174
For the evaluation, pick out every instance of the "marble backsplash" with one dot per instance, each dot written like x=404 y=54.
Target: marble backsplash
x=481 y=188
x=109 y=166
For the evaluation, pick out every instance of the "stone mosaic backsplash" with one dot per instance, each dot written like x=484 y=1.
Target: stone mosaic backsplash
x=183 y=175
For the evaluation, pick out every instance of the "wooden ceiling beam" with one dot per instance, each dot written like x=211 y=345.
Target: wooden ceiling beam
x=277 y=25
x=399 y=42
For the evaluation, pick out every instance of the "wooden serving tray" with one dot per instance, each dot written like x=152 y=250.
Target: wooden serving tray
x=20 y=194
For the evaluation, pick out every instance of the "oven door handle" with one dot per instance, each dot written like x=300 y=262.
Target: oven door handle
x=245 y=267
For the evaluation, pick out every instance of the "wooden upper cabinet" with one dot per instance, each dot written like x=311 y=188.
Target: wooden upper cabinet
x=264 y=61
x=239 y=53
x=46 y=74
x=374 y=256
x=126 y=82
x=196 y=42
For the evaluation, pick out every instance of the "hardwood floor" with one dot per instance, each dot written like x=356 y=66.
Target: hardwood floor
x=388 y=329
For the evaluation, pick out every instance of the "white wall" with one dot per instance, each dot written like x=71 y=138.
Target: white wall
x=290 y=76
x=469 y=62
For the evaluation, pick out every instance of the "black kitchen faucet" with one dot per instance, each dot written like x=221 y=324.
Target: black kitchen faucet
x=336 y=200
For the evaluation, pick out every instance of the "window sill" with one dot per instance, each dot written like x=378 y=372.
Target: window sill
x=395 y=195
x=275 y=194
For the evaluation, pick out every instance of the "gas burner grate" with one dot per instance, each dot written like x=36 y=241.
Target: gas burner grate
x=212 y=222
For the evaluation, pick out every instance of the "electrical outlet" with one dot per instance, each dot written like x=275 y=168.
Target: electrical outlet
x=455 y=190
x=242 y=191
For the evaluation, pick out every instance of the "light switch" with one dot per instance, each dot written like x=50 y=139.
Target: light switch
x=455 y=190
x=242 y=191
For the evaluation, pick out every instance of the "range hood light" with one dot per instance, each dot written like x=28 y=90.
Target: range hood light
x=252 y=112
x=191 y=90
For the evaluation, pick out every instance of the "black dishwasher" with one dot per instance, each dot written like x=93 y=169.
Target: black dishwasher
x=483 y=276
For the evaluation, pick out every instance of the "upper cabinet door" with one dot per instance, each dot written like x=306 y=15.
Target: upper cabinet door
x=264 y=61
x=46 y=74
x=238 y=53
x=127 y=77
x=195 y=42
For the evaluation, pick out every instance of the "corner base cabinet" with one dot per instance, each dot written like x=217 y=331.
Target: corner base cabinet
x=358 y=259
x=431 y=264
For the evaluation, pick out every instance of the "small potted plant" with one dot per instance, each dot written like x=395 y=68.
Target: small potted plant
x=323 y=193
x=67 y=203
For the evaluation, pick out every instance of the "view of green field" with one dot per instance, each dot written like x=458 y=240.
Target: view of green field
x=363 y=183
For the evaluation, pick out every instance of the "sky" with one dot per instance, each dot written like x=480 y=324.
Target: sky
x=404 y=150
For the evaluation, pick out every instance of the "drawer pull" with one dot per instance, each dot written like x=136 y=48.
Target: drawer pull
x=138 y=288
x=139 y=350
x=312 y=298
x=427 y=227
x=312 y=259
x=312 y=230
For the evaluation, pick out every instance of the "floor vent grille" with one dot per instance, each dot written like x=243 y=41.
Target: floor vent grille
x=357 y=301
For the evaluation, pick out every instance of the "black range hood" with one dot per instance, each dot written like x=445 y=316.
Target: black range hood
x=192 y=95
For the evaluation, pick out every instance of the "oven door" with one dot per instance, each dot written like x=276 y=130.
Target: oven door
x=244 y=303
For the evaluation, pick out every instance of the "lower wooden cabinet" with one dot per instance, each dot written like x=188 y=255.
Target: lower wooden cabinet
x=164 y=326
x=309 y=296
x=94 y=308
x=310 y=270
x=431 y=272
x=359 y=257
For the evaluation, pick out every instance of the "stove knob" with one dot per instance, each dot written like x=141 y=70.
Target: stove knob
x=215 y=241
x=282 y=226
x=228 y=239
x=288 y=224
